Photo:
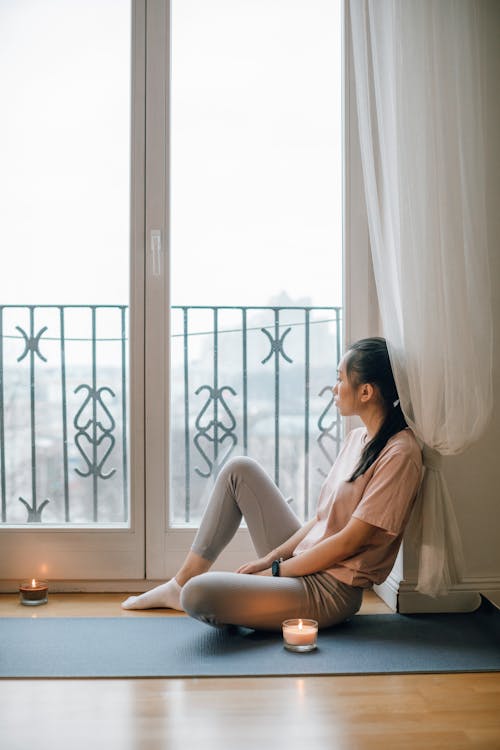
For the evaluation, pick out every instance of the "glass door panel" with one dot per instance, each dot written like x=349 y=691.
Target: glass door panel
x=66 y=74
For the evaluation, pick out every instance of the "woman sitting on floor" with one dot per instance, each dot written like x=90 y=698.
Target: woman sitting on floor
x=317 y=570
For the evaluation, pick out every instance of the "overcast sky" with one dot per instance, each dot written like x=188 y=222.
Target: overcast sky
x=256 y=167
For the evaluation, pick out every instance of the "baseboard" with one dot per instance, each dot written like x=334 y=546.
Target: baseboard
x=412 y=602
x=463 y=597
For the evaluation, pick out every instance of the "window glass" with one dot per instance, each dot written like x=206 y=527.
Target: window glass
x=256 y=232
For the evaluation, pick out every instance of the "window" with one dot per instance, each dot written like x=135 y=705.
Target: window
x=65 y=195
x=255 y=288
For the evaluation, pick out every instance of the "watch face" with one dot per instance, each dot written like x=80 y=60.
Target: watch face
x=275 y=568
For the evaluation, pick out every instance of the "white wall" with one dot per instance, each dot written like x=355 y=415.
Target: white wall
x=474 y=476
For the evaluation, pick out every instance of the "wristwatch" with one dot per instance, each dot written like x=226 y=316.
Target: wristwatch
x=275 y=567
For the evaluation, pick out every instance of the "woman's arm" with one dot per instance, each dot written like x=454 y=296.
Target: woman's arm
x=284 y=550
x=326 y=553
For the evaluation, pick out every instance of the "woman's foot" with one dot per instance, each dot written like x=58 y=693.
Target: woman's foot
x=167 y=596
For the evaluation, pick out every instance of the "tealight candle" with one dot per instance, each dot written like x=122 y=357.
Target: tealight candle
x=300 y=635
x=33 y=593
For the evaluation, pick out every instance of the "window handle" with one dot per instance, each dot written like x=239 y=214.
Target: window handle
x=156 y=251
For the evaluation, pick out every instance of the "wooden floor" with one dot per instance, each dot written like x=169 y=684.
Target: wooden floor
x=373 y=712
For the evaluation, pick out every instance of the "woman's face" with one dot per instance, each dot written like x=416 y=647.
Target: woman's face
x=345 y=394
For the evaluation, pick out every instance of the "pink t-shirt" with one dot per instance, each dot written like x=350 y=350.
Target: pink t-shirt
x=383 y=496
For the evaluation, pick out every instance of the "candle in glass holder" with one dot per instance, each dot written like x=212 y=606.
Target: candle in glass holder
x=300 y=635
x=32 y=593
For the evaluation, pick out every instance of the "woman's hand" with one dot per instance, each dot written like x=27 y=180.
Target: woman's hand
x=257 y=565
x=284 y=550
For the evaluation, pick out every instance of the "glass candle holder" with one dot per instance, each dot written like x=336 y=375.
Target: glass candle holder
x=300 y=635
x=34 y=592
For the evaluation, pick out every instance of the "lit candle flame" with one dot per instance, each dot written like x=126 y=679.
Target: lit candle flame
x=33 y=583
x=300 y=624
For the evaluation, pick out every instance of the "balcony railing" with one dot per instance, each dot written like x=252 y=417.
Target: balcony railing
x=244 y=380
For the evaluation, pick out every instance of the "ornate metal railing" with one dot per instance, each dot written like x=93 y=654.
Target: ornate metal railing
x=248 y=380
x=255 y=381
x=63 y=413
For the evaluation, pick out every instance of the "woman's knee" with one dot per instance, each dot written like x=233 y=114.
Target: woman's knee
x=240 y=469
x=239 y=466
x=197 y=596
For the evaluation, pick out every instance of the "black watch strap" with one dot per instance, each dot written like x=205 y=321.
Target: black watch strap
x=275 y=567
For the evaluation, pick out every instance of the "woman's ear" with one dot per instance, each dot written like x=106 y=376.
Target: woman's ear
x=367 y=392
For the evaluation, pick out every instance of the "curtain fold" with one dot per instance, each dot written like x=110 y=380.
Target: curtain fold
x=417 y=75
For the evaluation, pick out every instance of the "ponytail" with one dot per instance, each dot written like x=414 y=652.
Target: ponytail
x=368 y=361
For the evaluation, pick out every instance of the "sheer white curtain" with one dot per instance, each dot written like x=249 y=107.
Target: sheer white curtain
x=418 y=95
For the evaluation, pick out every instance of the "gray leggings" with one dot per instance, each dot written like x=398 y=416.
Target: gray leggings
x=243 y=489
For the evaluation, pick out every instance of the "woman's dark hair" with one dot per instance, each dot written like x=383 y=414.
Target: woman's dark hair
x=367 y=361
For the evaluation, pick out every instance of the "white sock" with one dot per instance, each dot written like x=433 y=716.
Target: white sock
x=167 y=595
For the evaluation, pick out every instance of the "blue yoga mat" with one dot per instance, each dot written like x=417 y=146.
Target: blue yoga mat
x=182 y=647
